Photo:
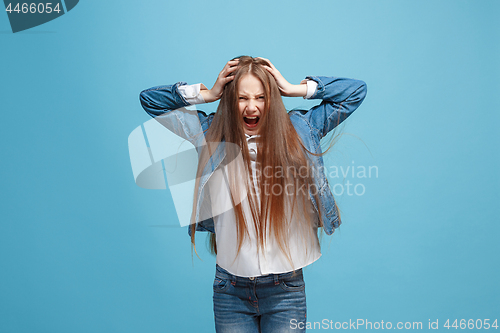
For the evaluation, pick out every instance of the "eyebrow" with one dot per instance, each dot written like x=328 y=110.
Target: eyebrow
x=244 y=94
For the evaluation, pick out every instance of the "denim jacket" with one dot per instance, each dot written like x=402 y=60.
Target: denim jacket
x=340 y=97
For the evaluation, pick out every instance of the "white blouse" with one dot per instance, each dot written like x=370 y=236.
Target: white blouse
x=303 y=247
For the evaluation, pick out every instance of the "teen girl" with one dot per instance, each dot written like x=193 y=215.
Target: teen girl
x=276 y=186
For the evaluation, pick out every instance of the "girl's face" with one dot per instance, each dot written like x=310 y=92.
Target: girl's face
x=251 y=103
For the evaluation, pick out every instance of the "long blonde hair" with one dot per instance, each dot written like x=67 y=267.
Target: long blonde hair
x=279 y=148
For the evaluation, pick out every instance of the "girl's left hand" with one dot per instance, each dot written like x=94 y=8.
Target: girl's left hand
x=286 y=88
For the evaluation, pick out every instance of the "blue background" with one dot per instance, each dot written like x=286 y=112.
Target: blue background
x=84 y=249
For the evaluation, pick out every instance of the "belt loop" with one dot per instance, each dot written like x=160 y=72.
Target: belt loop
x=233 y=280
x=276 y=280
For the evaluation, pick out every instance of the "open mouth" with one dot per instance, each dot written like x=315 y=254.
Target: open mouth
x=251 y=121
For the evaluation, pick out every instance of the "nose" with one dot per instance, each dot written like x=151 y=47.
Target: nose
x=252 y=105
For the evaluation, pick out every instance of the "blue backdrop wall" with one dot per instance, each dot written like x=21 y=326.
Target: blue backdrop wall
x=84 y=249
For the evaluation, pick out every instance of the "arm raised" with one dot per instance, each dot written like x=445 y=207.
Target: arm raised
x=341 y=97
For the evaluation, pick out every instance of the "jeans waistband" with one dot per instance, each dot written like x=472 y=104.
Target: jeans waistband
x=222 y=273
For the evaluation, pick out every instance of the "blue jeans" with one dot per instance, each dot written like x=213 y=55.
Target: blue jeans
x=264 y=304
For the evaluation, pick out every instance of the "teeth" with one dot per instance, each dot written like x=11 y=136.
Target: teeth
x=251 y=117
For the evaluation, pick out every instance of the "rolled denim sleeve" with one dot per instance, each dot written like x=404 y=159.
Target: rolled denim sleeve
x=340 y=98
x=311 y=88
x=191 y=93
x=168 y=106
x=158 y=100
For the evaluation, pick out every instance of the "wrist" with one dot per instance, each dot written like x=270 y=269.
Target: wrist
x=207 y=96
x=297 y=90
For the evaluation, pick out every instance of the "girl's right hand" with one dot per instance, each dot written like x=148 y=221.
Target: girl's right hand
x=216 y=92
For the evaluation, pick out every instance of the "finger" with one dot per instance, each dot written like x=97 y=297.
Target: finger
x=228 y=71
x=233 y=62
x=230 y=64
x=229 y=68
x=232 y=69
x=228 y=75
x=270 y=70
x=267 y=60
x=228 y=79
